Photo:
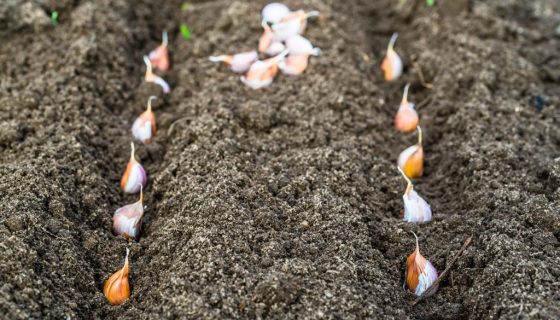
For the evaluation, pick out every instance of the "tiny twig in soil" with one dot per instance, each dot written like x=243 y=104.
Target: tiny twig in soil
x=444 y=273
x=423 y=103
x=172 y=126
x=418 y=69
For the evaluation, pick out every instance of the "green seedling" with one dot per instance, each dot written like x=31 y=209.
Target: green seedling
x=185 y=31
x=430 y=3
x=54 y=18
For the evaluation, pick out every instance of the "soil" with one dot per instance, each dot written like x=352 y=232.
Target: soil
x=281 y=203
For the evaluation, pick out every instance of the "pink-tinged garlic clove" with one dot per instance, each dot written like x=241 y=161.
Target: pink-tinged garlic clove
x=420 y=273
x=274 y=12
x=294 y=65
x=406 y=119
x=297 y=45
x=159 y=57
x=262 y=73
x=127 y=220
x=238 y=63
x=151 y=77
x=392 y=64
x=292 y=24
x=266 y=39
x=144 y=127
x=134 y=177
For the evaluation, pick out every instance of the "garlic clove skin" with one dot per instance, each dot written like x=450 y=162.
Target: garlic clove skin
x=262 y=73
x=151 y=77
x=392 y=64
x=420 y=273
x=294 y=64
x=416 y=209
x=117 y=288
x=274 y=12
x=127 y=220
x=134 y=177
x=144 y=127
x=297 y=44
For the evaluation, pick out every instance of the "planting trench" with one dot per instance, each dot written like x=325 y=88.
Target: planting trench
x=283 y=202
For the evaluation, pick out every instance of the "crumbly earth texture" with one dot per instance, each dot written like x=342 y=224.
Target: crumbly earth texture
x=282 y=203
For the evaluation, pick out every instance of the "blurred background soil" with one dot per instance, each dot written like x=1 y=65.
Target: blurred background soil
x=282 y=203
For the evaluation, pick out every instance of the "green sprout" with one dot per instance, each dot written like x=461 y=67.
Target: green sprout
x=185 y=32
x=54 y=18
x=430 y=3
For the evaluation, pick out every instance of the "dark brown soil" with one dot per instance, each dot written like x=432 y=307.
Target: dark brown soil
x=281 y=203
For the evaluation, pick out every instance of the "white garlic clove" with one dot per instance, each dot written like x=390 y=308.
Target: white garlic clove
x=276 y=47
x=416 y=209
x=297 y=44
x=144 y=127
x=274 y=12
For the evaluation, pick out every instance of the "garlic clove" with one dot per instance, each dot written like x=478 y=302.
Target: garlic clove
x=266 y=39
x=406 y=119
x=151 y=77
x=294 y=64
x=411 y=160
x=416 y=209
x=420 y=273
x=275 y=48
x=127 y=220
x=274 y=12
x=117 y=289
x=297 y=44
x=392 y=65
x=292 y=24
x=144 y=127
x=159 y=57
x=134 y=177
x=238 y=63
x=262 y=73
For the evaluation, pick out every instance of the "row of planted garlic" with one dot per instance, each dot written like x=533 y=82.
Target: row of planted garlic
x=127 y=220
x=420 y=273
x=281 y=41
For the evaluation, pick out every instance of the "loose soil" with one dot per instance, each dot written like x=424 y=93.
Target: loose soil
x=282 y=203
